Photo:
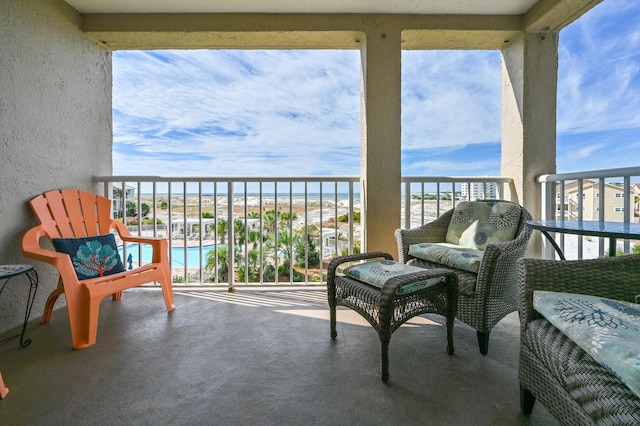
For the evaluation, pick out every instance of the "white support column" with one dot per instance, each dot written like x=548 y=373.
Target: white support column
x=380 y=168
x=529 y=88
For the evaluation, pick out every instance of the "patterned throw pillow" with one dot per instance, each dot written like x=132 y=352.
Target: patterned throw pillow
x=606 y=329
x=91 y=256
x=475 y=224
x=379 y=272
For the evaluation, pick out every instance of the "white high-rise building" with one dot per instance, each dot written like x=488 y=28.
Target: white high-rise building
x=478 y=190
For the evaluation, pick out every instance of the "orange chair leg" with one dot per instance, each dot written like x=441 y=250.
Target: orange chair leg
x=167 y=289
x=83 y=318
x=51 y=300
x=3 y=389
x=116 y=296
x=92 y=321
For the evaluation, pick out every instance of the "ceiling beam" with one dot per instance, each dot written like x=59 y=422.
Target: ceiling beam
x=296 y=31
x=554 y=15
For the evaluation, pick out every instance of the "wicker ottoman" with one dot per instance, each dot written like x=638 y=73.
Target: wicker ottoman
x=400 y=298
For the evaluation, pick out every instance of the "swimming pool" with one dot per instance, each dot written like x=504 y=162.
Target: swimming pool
x=177 y=255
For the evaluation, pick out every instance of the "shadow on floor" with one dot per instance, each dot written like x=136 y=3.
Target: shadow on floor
x=257 y=357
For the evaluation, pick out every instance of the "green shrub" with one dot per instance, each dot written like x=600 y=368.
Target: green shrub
x=345 y=217
x=356 y=250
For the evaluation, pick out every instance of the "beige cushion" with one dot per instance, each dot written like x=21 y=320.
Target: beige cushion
x=475 y=224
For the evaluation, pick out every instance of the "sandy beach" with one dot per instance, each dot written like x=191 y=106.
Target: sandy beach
x=311 y=212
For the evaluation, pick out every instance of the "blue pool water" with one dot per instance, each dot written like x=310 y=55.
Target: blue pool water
x=177 y=255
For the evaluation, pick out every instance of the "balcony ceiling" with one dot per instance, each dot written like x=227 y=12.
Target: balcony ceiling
x=319 y=24
x=423 y=7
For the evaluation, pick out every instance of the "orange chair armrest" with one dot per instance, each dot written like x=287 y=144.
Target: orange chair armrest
x=142 y=240
x=31 y=249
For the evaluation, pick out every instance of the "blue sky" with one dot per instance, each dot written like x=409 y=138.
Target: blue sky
x=297 y=113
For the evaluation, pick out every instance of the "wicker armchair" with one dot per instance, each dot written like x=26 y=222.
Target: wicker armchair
x=491 y=294
x=575 y=388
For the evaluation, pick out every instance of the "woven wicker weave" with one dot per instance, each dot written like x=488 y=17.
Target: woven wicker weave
x=555 y=371
x=383 y=308
x=491 y=294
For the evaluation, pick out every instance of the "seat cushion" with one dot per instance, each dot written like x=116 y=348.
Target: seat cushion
x=606 y=329
x=474 y=224
x=452 y=255
x=466 y=280
x=91 y=256
x=377 y=273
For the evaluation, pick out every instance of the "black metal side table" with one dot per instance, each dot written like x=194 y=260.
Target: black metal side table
x=10 y=271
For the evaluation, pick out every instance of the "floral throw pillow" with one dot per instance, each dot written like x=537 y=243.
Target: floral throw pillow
x=475 y=224
x=91 y=256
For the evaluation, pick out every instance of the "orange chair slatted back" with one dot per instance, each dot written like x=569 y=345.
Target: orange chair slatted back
x=69 y=213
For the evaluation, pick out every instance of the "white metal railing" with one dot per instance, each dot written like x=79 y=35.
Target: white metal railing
x=427 y=197
x=602 y=195
x=203 y=217
x=318 y=219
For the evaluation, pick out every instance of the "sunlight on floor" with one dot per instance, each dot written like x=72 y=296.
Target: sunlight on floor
x=351 y=317
x=299 y=300
x=282 y=300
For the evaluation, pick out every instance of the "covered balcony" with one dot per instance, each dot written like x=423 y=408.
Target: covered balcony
x=56 y=77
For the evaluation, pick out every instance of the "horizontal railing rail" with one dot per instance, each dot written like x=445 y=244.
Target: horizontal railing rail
x=601 y=195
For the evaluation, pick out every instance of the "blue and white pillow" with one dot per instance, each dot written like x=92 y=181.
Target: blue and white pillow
x=91 y=256
x=607 y=329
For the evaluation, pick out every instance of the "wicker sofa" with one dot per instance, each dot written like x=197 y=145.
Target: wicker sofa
x=575 y=388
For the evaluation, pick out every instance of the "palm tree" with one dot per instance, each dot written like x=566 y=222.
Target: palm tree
x=285 y=219
x=250 y=270
x=222 y=230
x=238 y=231
x=269 y=220
x=221 y=264
x=254 y=238
x=285 y=245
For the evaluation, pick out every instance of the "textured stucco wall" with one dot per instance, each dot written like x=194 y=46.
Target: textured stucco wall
x=55 y=126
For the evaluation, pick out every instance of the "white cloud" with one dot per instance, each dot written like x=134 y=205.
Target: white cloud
x=261 y=113
x=237 y=112
x=599 y=70
x=446 y=167
x=450 y=98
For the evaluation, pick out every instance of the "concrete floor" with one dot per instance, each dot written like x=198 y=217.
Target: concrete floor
x=257 y=357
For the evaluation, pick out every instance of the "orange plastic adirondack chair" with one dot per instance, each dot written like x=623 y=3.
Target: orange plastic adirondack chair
x=69 y=213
